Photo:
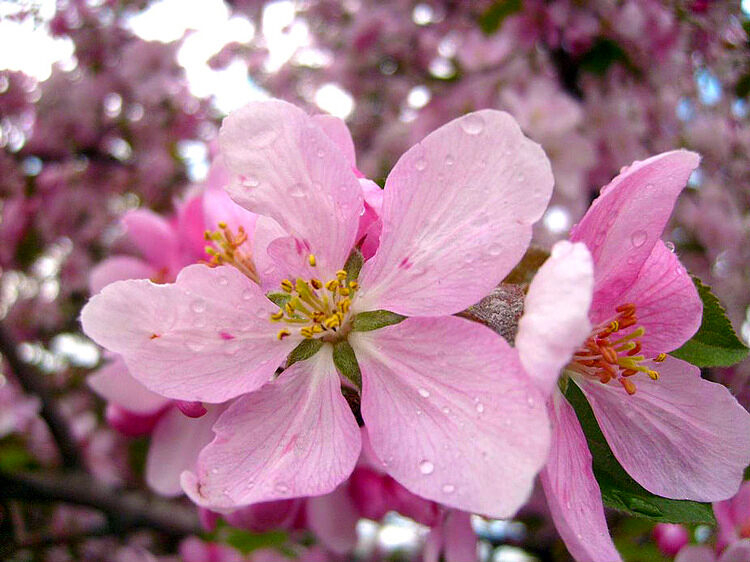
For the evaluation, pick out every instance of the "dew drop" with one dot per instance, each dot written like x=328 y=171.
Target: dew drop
x=198 y=306
x=649 y=186
x=495 y=250
x=446 y=410
x=281 y=488
x=530 y=402
x=223 y=281
x=420 y=164
x=419 y=412
x=638 y=238
x=195 y=346
x=472 y=124
x=250 y=181
x=247 y=295
x=426 y=467
x=670 y=246
x=449 y=488
x=520 y=178
x=297 y=190
x=599 y=238
x=214 y=471
x=449 y=160
x=480 y=407
x=424 y=393
x=321 y=153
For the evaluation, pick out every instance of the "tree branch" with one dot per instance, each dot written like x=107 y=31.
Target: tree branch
x=125 y=510
x=33 y=384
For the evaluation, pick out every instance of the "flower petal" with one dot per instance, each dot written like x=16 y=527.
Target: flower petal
x=667 y=303
x=555 y=317
x=294 y=437
x=207 y=337
x=154 y=237
x=694 y=553
x=457 y=214
x=336 y=130
x=290 y=170
x=333 y=519
x=118 y=268
x=625 y=221
x=175 y=444
x=573 y=495
x=737 y=552
x=451 y=413
x=114 y=383
x=680 y=437
x=270 y=272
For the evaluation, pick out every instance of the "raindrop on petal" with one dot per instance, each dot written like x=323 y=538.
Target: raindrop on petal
x=472 y=124
x=426 y=467
x=638 y=238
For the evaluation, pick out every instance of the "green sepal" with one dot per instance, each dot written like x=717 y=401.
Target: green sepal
x=619 y=490
x=346 y=362
x=374 y=320
x=493 y=17
x=279 y=299
x=525 y=270
x=245 y=541
x=353 y=265
x=715 y=344
x=305 y=350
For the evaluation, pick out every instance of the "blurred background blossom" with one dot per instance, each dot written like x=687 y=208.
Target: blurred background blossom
x=107 y=106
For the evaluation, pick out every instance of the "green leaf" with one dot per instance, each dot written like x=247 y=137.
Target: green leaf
x=494 y=16
x=353 y=265
x=305 y=350
x=15 y=456
x=602 y=54
x=245 y=541
x=715 y=344
x=346 y=362
x=619 y=490
x=374 y=320
x=279 y=299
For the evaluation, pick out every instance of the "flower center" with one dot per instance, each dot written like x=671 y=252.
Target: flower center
x=227 y=249
x=605 y=356
x=316 y=308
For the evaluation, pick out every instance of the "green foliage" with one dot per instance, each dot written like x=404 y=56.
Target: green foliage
x=374 y=320
x=353 y=265
x=619 y=490
x=305 y=350
x=494 y=16
x=14 y=455
x=715 y=344
x=601 y=56
x=245 y=541
x=346 y=362
x=525 y=270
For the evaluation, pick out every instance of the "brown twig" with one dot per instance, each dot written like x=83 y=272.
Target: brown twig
x=32 y=383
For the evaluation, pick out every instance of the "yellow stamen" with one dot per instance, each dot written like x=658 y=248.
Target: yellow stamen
x=660 y=358
x=276 y=316
x=287 y=286
x=283 y=333
x=311 y=260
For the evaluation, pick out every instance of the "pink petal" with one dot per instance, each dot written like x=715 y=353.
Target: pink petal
x=333 y=519
x=270 y=271
x=154 y=237
x=457 y=214
x=627 y=219
x=294 y=437
x=451 y=414
x=737 y=552
x=336 y=130
x=219 y=207
x=118 y=268
x=573 y=495
x=694 y=553
x=680 y=437
x=114 y=383
x=459 y=538
x=174 y=337
x=290 y=170
x=174 y=448
x=266 y=516
x=190 y=229
x=667 y=304
x=555 y=317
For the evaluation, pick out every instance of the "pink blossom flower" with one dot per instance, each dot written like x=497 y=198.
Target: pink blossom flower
x=738 y=552
x=676 y=434
x=456 y=216
x=733 y=517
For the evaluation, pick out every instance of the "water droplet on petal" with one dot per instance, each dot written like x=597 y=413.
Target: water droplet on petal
x=297 y=190
x=638 y=238
x=195 y=346
x=480 y=407
x=281 y=488
x=599 y=238
x=495 y=249
x=223 y=281
x=214 y=471
x=449 y=160
x=247 y=295
x=472 y=124
x=249 y=181
x=321 y=153
x=420 y=164
x=198 y=306
x=426 y=467
x=449 y=488
x=446 y=410
x=670 y=246
x=530 y=402
x=520 y=178
x=424 y=393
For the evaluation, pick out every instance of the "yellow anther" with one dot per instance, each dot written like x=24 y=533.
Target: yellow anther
x=332 y=321
x=311 y=260
x=341 y=274
x=614 y=326
x=344 y=291
x=287 y=286
x=276 y=316
x=332 y=285
x=289 y=308
x=306 y=332
x=283 y=333
x=661 y=357
x=316 y=283
x=353 y=285
x=317 y=329
x=653 y=375
x=222 y=225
